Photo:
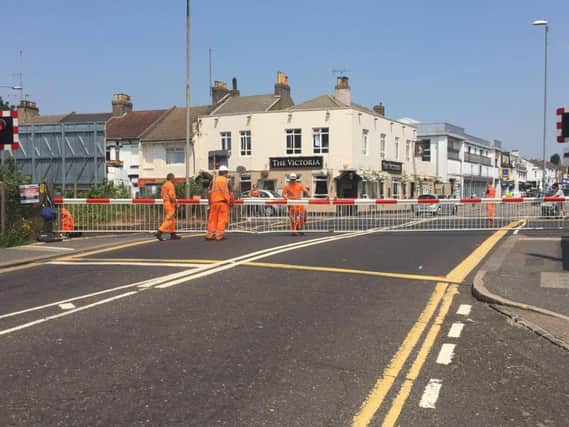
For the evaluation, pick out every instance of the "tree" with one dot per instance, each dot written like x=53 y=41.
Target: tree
x=555 y=159
x=4 y=105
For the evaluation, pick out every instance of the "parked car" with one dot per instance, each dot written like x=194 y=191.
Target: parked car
x=550 y=208
x=436 y=208
x=267 y=210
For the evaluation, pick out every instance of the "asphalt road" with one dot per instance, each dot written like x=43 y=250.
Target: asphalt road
x=324 y=330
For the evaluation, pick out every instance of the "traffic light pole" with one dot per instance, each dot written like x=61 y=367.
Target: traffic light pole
x=545 y=112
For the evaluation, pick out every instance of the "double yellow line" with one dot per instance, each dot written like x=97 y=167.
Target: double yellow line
x=445 y=293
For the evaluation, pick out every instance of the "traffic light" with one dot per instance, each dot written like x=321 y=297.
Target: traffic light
x=562 y=125
x=9 y=130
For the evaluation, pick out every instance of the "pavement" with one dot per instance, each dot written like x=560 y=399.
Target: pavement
x=26 y=254
x=526 y=279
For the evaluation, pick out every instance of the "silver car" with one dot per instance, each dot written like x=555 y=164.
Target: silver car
x=267 y=210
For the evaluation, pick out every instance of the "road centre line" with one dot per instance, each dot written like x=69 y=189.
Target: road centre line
x=464 y=309
x=415 y=370
x=66 y=313
x=380 y=390
x=456 y=330
x=431 y=394
x=446 y=354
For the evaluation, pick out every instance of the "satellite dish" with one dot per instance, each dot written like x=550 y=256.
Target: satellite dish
x=241 y=169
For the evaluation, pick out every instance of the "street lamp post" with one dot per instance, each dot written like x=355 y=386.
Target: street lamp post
x=545 y=24
x=188 y=122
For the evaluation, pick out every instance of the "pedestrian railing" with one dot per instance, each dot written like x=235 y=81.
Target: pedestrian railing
x=257 y=215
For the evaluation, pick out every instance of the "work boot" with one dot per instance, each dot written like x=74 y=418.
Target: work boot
x=158 y=235
x=174 y=236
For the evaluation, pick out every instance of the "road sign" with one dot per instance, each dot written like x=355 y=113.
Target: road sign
x=29 y=194
x=562 y=125
x=9 y=138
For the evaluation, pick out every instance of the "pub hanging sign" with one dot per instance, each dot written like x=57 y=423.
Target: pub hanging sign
x=312 y=162
x=392 y=167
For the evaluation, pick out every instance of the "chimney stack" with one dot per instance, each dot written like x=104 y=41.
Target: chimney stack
x=234 y=90
x=343 y=92
x=27 y=110
x=282 y=90
x=218 y=91
x=379 y=109
x=121 y=104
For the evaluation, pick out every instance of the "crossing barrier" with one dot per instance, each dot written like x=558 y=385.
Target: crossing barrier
x=259 y=215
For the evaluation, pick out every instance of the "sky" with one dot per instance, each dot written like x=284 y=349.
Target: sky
x=476 y=64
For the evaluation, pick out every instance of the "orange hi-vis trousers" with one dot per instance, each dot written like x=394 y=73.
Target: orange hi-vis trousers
x=297 y=216
x=169 y=224
x=217 y=221
x=490 y=209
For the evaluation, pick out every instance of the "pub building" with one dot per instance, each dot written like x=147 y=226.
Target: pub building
x=337 y=148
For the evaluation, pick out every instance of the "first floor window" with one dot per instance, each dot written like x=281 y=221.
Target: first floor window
x=321 y=141
x=174 y=155
x=293 y=141
x=364 y=141
x=226 y=141
x=245 y=142
x=320 y=186
x=382 y=146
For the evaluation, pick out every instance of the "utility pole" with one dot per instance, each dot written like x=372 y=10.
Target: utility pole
x=188 y=118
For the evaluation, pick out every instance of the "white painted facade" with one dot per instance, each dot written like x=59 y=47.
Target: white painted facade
x=123 y=162
x=354 y=138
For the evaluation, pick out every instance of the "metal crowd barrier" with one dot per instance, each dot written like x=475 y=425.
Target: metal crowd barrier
x=257 y=215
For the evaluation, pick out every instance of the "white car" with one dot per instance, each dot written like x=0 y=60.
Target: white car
x=267 y=210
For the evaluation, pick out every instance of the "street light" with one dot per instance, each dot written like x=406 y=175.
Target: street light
x=545 y=24
x=188 y=121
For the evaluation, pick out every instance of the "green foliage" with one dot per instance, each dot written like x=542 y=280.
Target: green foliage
x=108 y=190
x=20 y=224
x=195 y=189
x=4 y=105
x=555 y=159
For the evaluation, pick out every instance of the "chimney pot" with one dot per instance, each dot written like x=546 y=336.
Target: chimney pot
x=218 y=91
x=27 y=110
x=379 y=109
x=282 y=90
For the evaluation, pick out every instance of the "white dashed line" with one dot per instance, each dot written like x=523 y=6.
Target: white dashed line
x=456 y=330
x=446 y=354
x=67 y=306
x=464 y=309
x=431 y=394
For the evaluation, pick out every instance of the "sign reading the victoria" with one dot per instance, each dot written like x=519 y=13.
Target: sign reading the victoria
x=313 y=162
x=391 y=167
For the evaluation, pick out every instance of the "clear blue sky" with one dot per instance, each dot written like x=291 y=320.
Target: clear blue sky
x=477 y=64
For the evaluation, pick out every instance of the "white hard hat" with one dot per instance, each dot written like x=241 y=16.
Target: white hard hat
x=292 y=176
x=223 y=168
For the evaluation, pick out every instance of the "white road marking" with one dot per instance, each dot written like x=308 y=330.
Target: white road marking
x=179 y=277
x=464 y=309
x=42 y=248
x=431 y=394
x=446 y=354
x=57 y=316
x=138 y=264
x=456 y=330
x=67 y=306
x=516 y=232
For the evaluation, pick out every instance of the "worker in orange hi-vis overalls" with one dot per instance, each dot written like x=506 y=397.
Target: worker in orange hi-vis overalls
x=67 y=222
x=168 y=194
x=294 y=190
x=490 y=194
x=220 y=199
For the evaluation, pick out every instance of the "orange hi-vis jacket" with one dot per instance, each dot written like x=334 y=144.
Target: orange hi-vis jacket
x=168 y=192
x=491 y=192
x=294 y=190
x=219 y=191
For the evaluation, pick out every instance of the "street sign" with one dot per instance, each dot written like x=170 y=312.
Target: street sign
x=9 y=138
x=29 y=194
